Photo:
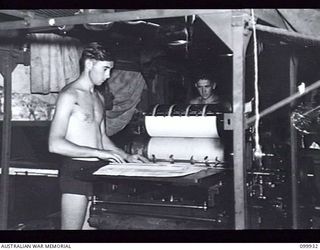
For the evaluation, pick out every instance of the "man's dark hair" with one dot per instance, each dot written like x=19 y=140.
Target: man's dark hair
x=94 y=51
x=206 y=77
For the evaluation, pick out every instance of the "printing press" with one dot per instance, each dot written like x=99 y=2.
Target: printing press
x=186 y=185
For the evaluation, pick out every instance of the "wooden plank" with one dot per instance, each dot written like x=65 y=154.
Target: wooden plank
x=105 y=17
x=239 y=148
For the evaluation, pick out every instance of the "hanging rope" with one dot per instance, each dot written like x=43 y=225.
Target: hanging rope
x=257 y=151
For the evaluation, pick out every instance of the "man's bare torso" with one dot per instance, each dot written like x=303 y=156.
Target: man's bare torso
x=85 y=119
x=211 y=100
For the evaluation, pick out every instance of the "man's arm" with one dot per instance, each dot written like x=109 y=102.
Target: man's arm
x=59 y=144
x=109 y=145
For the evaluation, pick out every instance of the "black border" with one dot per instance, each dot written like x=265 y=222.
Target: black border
x=148 y=4
x=165 y=236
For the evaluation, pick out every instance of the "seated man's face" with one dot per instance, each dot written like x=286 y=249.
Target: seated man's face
x=205 y=88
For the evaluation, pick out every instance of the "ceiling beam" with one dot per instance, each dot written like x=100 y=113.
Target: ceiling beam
x=105 y=17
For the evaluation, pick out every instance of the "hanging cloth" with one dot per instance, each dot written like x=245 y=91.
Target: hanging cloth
x=126 y=87
x=54 y=62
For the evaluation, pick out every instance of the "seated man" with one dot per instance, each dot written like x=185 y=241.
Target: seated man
x=206 y=88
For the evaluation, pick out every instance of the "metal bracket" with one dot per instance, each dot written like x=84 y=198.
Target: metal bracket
x=228 y=121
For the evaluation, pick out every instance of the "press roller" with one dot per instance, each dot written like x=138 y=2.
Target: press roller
x=188 y=133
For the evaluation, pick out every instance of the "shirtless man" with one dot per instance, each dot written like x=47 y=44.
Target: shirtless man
x=206 y=88
x=78 y=133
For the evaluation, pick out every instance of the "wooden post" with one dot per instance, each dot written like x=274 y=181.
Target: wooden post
x=239 y=147
x=6 y=71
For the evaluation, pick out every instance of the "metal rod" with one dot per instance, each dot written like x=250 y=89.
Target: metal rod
x=150 y=204
x=260 y=173
x=311 y=110
x=105 y=17
x=284 y=102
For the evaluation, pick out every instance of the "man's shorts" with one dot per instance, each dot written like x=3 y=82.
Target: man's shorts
x=72 y=185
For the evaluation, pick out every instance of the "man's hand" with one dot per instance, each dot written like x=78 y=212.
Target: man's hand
x=109 y=155
x=136 y=158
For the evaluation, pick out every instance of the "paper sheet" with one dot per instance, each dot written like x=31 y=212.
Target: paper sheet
x=200 y=149
x=148 y=170
x=182 y=126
